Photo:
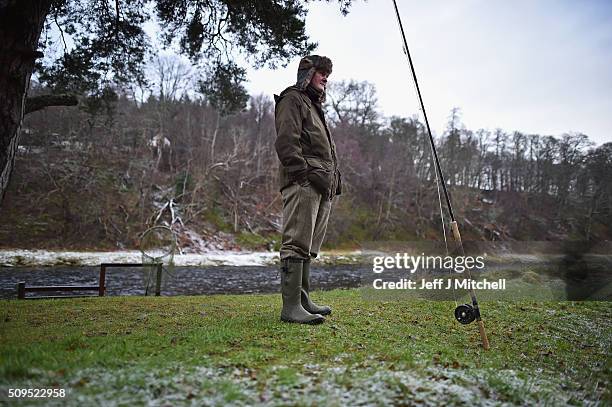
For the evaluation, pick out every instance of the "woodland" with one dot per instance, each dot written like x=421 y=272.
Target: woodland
x=97 y=175
x=102 y=136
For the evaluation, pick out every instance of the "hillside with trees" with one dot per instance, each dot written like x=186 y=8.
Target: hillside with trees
x=96 y=176
x=161 y=140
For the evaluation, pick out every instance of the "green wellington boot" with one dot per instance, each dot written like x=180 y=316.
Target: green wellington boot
x=291 y=288
x=306 y=301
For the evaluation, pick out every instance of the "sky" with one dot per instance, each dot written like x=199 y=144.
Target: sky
x=539 y=67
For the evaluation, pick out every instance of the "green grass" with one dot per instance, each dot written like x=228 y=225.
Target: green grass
x=232 y=349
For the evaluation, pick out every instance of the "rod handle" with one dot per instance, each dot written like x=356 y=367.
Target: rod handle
x=483 y=335
x=455 y=229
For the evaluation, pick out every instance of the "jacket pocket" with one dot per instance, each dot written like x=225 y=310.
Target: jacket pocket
x=319 y=176
x=315 y=162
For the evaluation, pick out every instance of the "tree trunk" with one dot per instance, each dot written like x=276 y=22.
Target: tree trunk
x=21 y=22
x=214 y=140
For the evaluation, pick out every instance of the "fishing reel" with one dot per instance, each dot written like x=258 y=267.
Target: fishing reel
x=465 y=314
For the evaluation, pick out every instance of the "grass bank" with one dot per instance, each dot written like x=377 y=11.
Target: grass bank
x=228 y=349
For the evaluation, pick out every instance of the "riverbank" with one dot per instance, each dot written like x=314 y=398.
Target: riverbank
x=233 y=350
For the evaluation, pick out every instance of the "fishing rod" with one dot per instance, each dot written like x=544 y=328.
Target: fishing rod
x=464 y=313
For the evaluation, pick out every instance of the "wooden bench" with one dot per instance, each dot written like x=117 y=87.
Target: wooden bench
x=22 y=289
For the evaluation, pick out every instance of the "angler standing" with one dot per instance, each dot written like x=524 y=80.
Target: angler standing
x=309 y=180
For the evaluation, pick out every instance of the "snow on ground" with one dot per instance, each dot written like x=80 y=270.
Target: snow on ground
x=311 y=385
x=25 y=258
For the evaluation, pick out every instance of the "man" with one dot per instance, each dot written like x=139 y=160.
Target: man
x=309 y=180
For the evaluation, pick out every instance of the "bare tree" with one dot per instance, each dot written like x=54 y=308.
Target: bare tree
x=353 y=103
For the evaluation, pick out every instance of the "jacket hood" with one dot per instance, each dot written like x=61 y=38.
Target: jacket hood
x=292 y=88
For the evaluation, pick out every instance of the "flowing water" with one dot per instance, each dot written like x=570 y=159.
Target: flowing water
x=180 y=281
x=582 y=279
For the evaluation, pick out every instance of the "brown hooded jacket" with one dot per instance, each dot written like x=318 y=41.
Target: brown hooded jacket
x=304 y=143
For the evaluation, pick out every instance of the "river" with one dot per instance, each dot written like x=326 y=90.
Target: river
x=179 y=281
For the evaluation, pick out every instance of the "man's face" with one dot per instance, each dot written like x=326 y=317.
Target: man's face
x=319 y=80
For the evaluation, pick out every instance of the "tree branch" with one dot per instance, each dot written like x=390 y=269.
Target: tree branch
x=40 y=102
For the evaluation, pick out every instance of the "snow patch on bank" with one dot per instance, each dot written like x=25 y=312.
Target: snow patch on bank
x=13 y=258
x=28 y=258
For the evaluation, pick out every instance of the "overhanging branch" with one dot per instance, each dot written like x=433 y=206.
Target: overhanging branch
x=40 y=102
